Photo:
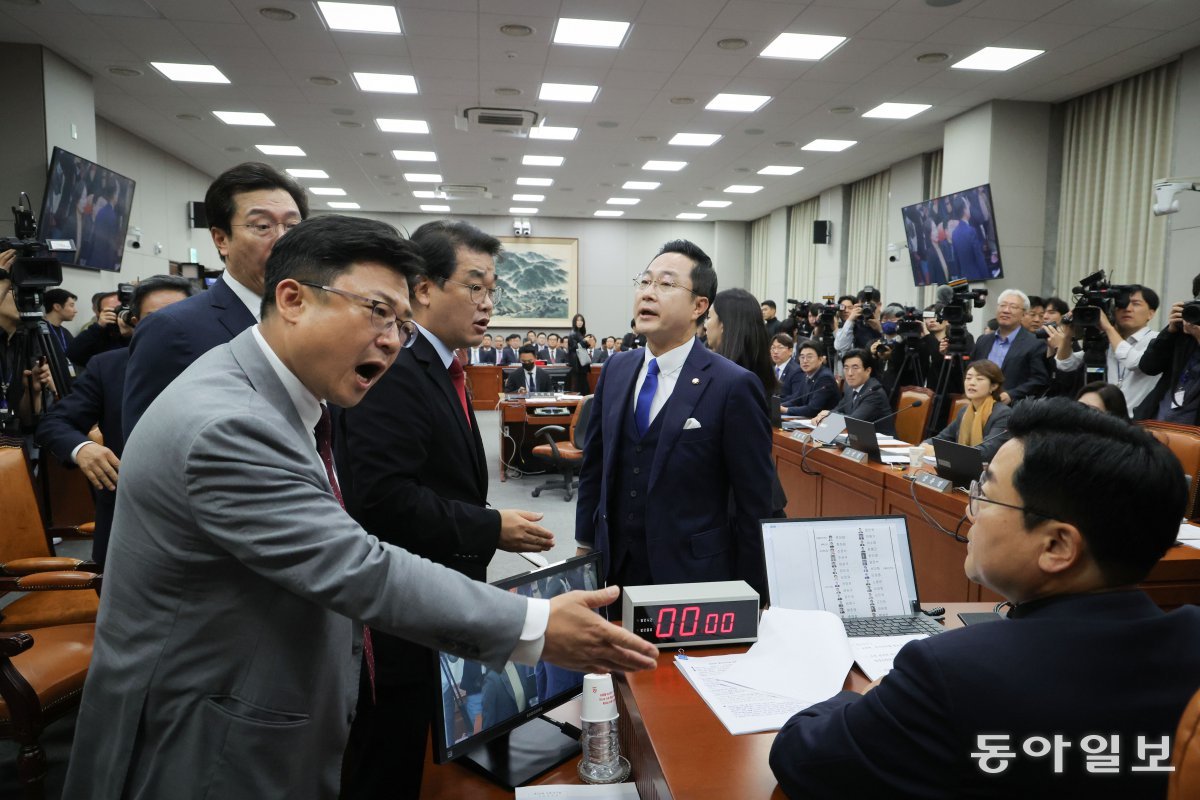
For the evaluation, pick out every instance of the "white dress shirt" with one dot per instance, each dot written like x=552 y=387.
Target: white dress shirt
x=670 y=364
x=1122 y=367
x=252 y=301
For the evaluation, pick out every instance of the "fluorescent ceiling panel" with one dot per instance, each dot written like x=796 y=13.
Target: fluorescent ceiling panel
x=529 y=198
x=190 y=73
x=744 y=103
x=542 y=161
x=623 y=201
x=715 y=203
x=360 y=17
x=244 y=118
x=308 y=173
x=738 y=188
x=435 y=208
x=535 y=181
x=779 y=170
x=897 y=110
x=343 y=205
x=568 y=92
x=829 y=145
x=414 y=155
x=690 y=215
x=384 y=82
x=422 y=177
x=403 y=125
x=551 y=132
x=279 y=149
x=333 y=191
x=997 y=59
x=522 y=210
x=802 y=46
x=641 y=186
x=608 y=212
x=590 y=32
x=424 y=194
x=695 y=139
x=665 y=166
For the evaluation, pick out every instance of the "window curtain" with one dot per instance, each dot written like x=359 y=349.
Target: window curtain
x=933 y=174
x=758 y=256
x=866 y=253
x=802 y=253
x=1116 y=142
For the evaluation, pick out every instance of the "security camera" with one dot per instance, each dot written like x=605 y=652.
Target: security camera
x=136 y=235
x=525 y=229
x=1165 y=191
x=516 y=227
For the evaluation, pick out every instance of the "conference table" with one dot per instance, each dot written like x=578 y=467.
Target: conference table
x=520 y=423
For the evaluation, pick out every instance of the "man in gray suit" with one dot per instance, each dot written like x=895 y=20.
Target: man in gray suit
x=229 y=636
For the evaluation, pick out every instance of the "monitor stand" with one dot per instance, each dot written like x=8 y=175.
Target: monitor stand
x=522 y=754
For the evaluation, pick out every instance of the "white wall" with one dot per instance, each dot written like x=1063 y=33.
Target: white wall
x=831 y=258
x=1183 y=243
x=907 y=186
x=69 y=108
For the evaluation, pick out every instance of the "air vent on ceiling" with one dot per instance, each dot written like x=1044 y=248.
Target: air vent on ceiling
x=519 y=119
x=464 y=191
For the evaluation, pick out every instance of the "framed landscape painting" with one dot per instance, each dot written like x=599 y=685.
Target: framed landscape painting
x=539 y=282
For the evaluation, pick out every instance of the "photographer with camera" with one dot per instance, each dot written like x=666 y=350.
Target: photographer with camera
x=1018 y=353
x=934 y=346
x=1127 y=343
x=108 y=333
x=1174 y=356
x=862 y=325
x=898 y=352
x=21 y=385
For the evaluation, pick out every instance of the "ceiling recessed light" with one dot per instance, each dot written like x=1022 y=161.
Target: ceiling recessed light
x=739 y=188
x=695 y=139
x=542 y=161
x=682 y=101
x=829 y=145
x=236 y=149
x=785 y=143
x=323 y=80
x=425 y=194
x=715 y=203
x=371 y=154
x=308 y=173
x=744 y=103
x=414 y=155
x=568 y=92
x=349 y=123
x=608 y=212
x=124 y=72
x=244 y=118
x=188 y=117
x=343 y=205
x=535 y=181
x=754 y=131
x=690 y=215
x=623 y=201
x=529 y=198
x=516 y=30
x=279 y=149
x=506 y=91
x=647 y=139
x=190 y=73
x=641 y=186
x=383 y=82
x=422 y=177
x=665 y=166
x=333 y=191
x=932 y=58
x=590 y=32
x=779 y=170
x=732 y=43
x=802 y=46
x=403 y=125
x=608 y=123
x=997 y=59
x=843 y=110
x=522 y=210
x=360 y=17
x=277 y=14
x=550 y=132
x=434 y=208
x=897 y=110
x=342 y=112
x=942 y=3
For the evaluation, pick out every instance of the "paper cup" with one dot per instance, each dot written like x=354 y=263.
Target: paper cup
x=599 y=699
x=916 y=456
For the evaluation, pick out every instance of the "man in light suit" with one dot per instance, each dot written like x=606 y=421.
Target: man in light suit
x=676 y=466
x=864 y=397
x=228 y=641
x=1020 y=355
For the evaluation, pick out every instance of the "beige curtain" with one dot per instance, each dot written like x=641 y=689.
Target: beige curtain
x=1116 y=141
x=933 y=174
x=866 y=253
x=758 y=256
x=802 y=253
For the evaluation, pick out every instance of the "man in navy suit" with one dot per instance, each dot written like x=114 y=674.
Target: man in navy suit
x=485 y=353
x=787 y=370
x=95 y=399
x=677 y=465
x=249 y=206
x=1082 y=659
x=818 y=390
x=968 y=249
x=511 y=354
x=864 y=397
x=1020 y=355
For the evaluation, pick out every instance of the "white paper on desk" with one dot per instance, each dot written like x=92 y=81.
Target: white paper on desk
x=1189 y=534
x=611 y=791
x=875 y=654
x=892 y=458
x=740 y=709
x=804 y=655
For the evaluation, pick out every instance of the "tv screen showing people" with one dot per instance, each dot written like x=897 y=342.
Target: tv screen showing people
x=953 y=237
x=89 y=205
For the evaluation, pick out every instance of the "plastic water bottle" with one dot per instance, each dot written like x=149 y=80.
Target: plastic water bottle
x=602 y=761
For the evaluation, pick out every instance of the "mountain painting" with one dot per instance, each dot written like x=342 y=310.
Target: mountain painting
x=538 y=278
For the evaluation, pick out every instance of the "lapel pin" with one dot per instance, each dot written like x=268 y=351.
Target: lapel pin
x=695 y=381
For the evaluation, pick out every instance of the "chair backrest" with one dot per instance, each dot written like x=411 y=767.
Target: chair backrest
x=22 y=533
x=1184 y=442
x=1184 y=782
x=956 y=406
x=579 y=424
x=911 y=423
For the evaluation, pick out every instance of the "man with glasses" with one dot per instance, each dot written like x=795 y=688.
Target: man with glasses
x=414 y=474
x=1020 y=355
x=249 y=207
x=816 y=390
x=787 y=372
x=864 y=396
x=677 y=465
x=1083 y=659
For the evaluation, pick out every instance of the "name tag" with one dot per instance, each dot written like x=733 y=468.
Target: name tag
x=857 y=456
x=928 y=479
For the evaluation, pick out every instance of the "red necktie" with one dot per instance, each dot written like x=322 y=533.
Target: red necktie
x=324 y=435
x=459 y=379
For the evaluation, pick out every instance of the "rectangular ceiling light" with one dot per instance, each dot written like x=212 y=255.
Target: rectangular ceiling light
x=414 y=155
x=522 y=210
x=434 y=208
x=333 y=191
x=690 y=215
x=897 y=110
x=779 y=170
x=535 y=181
x=551 y=132
x=623 y=201
x=360 y=17
x=279 y=149
x=641 y=186
x=695 y=139
x=343 y=205
x=715 y=203
x=244 y=118
x=383 y=82
x=997 y=59
x=568 y=92
x=542 y=161
x=608 y=212
x=190 y=73
x=403 y=125
x=308 y=173
x=424 y=194
x=802 y=46
x=744 y=103
x=590 y=32
x=529 y=198
x=829 y=145
x=422 y=177
x=665 y=166
x=738 y=188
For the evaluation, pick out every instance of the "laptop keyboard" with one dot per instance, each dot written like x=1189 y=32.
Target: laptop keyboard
x=891 y=626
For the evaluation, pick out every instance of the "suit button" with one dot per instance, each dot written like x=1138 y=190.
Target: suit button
x=637 y=470
x=637 y=449
x=633 y=493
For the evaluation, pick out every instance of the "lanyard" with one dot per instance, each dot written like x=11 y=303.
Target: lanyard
x=61 y=335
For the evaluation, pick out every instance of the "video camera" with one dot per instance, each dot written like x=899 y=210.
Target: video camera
x=125 y=296
x=1191 y=311
x=1095 y=296
x=869 y=298
x=954 y=303
x=911 y=324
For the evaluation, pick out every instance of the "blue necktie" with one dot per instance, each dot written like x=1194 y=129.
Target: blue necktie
x=641 y=411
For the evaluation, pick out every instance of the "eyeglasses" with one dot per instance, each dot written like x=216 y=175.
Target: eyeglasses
x=479 y=291
x=644 y=281
x=975 y=497
x=383 y=316
x=265 y=229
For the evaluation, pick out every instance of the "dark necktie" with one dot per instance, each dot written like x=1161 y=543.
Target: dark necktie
x=641 y=411
x=324 y=435
x=460 y=385
x=854 y=400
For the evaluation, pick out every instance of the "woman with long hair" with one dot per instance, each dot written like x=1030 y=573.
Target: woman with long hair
x=983 y=422
x=735 y=330
x=1104 y=397
x=577 y=374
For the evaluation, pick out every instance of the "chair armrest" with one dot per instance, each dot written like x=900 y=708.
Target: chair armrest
x=29 y=566
x=52 y=581
x=545 y=433
x=14 y=644
x=69 y=532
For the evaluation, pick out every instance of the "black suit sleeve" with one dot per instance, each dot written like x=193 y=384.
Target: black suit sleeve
x=1159 y=353
x=515 y=381
x=66 y=423
x=824 y=396
x=161 y=350
x=1036 y=375
x=94 y=340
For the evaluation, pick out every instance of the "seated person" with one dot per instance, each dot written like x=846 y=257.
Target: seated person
x=528 y=378
x=788 y=374
x=983 y=423
x=1083 y=654
x=1104 y=397
x=864 y=397
x=817 y=388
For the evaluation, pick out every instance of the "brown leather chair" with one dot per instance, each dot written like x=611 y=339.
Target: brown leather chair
x=911 y=423
x=566 y=456
x=1184 y=442
x=956 y=406
x=1184 y=782
x=26 y=547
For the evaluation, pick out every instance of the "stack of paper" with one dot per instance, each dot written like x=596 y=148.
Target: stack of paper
x=1189 y=534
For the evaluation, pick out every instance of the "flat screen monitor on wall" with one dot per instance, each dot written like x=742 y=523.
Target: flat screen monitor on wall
x=89 y=205
x=952 y=237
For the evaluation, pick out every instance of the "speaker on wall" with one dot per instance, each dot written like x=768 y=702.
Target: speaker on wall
x=822 y=231
x=196 y=215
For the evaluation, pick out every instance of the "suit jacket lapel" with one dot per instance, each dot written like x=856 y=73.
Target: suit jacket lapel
x=263 y=380
x=229 y=310
x=693 y=380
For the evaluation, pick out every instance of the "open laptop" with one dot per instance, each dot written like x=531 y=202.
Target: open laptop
x=859 y=568
x=958 y=463
x=860 y=435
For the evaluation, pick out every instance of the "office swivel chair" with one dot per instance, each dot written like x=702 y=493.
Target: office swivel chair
x=566 y=456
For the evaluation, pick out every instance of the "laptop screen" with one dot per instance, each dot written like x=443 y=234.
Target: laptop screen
x=852 y=566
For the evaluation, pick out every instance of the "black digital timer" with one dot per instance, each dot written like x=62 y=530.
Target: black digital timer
x=668 y=615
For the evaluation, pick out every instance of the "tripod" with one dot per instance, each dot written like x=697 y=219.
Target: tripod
x=912 y=358
x=952 y=363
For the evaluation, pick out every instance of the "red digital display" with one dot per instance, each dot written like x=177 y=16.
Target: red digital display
x=685 y=622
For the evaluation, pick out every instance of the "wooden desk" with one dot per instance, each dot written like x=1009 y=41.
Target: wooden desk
x=845 y=488
x=486 y=382
x=518 y=428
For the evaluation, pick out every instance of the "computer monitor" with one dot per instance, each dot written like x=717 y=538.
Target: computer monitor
x=486 y=719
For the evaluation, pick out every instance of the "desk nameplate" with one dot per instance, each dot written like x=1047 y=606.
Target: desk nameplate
x=857 y=456
x=931 y=481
